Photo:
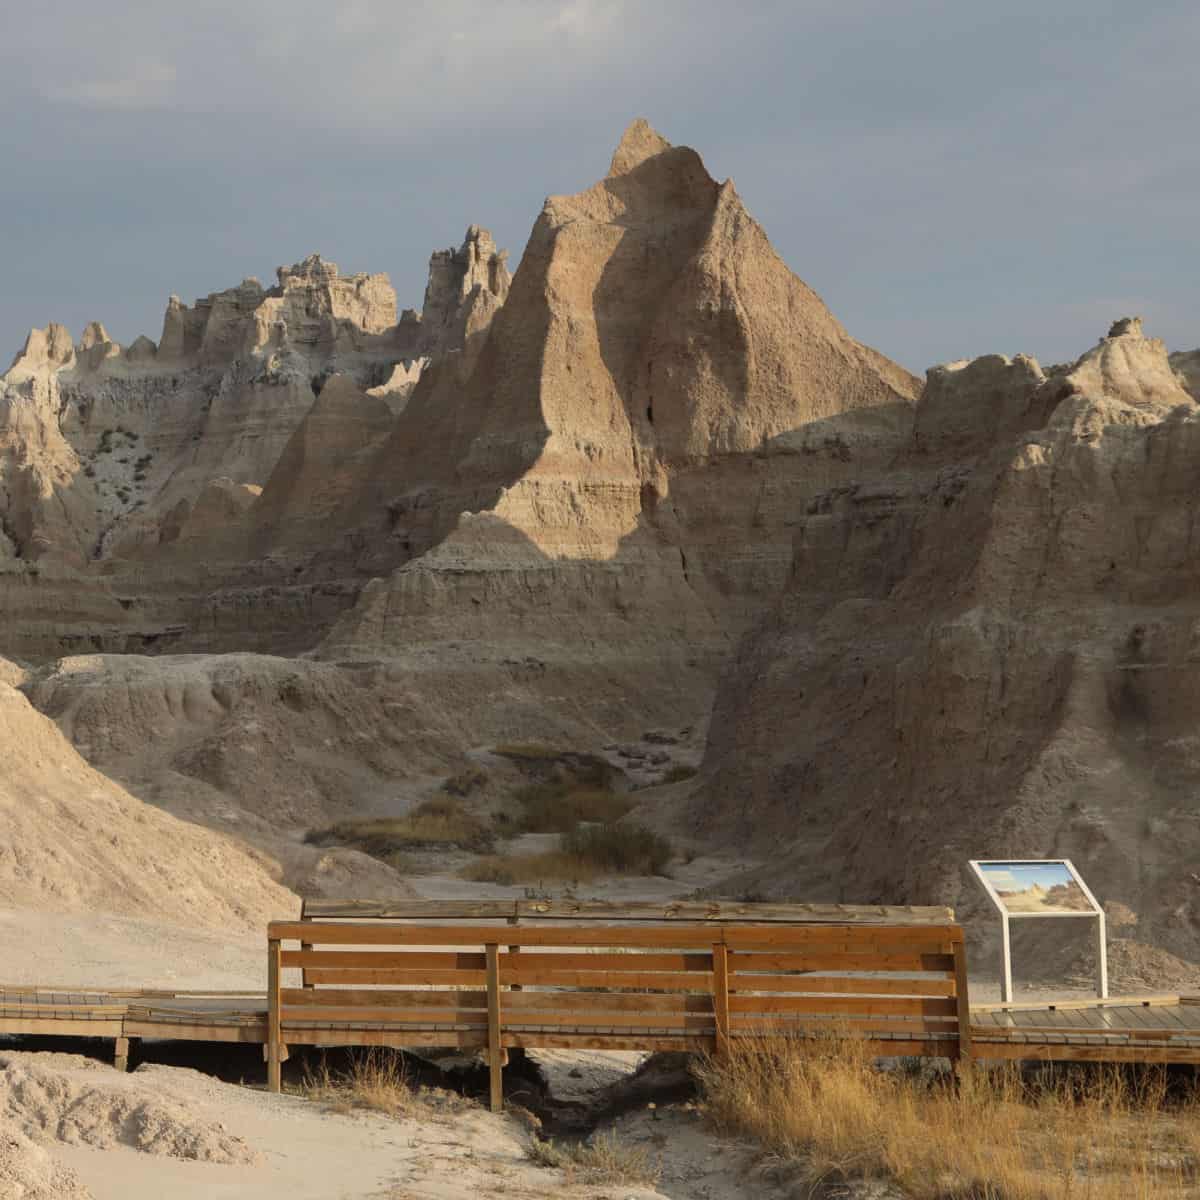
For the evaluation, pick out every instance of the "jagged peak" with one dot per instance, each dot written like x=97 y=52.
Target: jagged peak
x=639 y=142
x=1126 y=327
x=94 y=334
x=52 y=346
x=311 y=268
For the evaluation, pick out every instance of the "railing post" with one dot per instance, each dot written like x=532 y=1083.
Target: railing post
x=963 y=998
x=304 y=946
x=514 y=920
x=720 y=990
x=273 y=1036
x=495 y=1049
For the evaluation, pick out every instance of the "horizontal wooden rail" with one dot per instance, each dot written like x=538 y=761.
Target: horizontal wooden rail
x=833 y=939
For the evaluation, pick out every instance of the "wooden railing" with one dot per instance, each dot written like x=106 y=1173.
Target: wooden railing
x=902 y=988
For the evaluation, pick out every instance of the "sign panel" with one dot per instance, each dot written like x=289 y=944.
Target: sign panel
x=1036 y=888
x=1040 y=888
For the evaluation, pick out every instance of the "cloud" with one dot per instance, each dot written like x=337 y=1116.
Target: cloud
x=148 y=84
x=953 y=179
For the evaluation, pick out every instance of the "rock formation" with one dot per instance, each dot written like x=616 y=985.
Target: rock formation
x=105 y=453
x=653 y=355
x=987 y=651
x=320 y=552
x=573 y=489
x=75 y=841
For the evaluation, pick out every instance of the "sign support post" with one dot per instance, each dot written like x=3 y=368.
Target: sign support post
x=1005 y=961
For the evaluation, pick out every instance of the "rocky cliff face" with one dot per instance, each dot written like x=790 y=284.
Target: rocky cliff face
x=112 y=459
x=620 y=462
x=987 y=650
x=572 y=490
x=947 y=622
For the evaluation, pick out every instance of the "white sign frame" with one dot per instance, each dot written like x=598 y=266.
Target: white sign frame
x=1096 y=913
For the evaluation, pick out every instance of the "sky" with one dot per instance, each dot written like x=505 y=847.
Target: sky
x=954 y=177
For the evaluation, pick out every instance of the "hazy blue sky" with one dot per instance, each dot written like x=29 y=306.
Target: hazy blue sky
x=953 y=177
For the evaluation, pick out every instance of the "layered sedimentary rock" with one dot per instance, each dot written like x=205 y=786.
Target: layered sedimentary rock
x=105 y=451
x=988 y=651
x=617 y=468
x=553 y=522
x=555 y=505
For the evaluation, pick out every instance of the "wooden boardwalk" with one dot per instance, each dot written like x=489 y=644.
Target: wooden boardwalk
x=644 y=979
x=1150 y=1029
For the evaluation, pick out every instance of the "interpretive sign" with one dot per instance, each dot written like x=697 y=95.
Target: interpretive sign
x=1040 y=888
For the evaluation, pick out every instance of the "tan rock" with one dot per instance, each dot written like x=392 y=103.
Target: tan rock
x=974 y=657
x=1187 y=365
x=75 y=841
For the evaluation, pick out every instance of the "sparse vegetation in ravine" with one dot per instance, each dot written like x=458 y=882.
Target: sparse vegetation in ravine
x=463 y=783
x=441 y=821
x=678 y=773
x=375 y=1080
x=583 y=854
x=559 y=806
x=602 y=1160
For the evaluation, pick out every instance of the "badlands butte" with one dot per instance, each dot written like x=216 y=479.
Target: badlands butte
x=306 y=558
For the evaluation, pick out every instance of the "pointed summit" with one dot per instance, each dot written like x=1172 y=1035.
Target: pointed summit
x=639 y=143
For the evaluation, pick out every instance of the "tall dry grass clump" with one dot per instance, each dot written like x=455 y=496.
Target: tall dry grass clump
x=374 y=1080
x=824 y=1109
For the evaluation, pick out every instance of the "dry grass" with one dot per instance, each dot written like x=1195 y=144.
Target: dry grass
x=678 y=773
x=603 y=1159
x=440 y=821
x=558 y=807
x=824 y=1110
x=376 y=1081
x=464 y=782
x=527 y=750
x=552 y=866
x=584 y=854
x=619 y=849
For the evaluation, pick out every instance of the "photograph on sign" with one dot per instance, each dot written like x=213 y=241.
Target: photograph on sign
x=1025 y=888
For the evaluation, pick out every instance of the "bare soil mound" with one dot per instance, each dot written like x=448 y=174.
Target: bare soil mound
x=27 y=1172
x=81 y=1102
x=74 y=840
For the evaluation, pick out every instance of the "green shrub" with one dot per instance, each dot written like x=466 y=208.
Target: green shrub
x=527 y=750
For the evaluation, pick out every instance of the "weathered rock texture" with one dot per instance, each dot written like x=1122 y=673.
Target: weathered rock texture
x=988 y=650
x=319 y=552
x=111 y=456
x=544 y=509
x=617 y=469
x=75 y=841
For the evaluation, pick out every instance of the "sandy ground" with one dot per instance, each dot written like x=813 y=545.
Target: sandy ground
x=96 y=950
x=172 y=1132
